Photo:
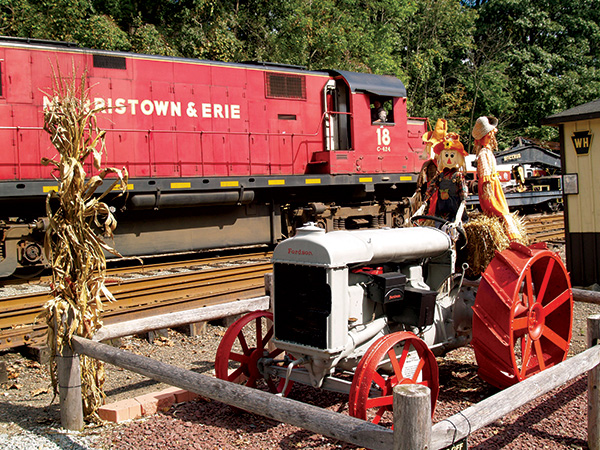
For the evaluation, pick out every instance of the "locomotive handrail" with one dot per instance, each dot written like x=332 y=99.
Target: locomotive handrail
x=150 y=132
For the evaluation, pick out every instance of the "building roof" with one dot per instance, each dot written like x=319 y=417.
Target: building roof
x=586 y=111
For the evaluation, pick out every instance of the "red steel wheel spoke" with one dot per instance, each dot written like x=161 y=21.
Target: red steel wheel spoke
x=238 y=357
x=555 y=339
x=546 y=280
x=529 y=285
x=539 y=353
x=404 y=355
x=424 y=383
x=379 y=415
x=384 y=400
x=520 y=324
x=557 y=302
x=259 y=341
x=379 y=381
x=272 y=385
x=395 y=365
x=526 y=356
x=251 y=382
x=233 y=376
x=418 y=370
x=243 y=343
x=269 y=335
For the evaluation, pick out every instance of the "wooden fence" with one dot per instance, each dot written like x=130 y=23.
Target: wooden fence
x=412 y=429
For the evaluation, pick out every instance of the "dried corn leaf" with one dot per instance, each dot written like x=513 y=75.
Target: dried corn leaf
x=73 y=243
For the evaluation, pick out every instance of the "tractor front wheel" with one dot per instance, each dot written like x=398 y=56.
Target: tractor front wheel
x=397 y=358
x=243 y=345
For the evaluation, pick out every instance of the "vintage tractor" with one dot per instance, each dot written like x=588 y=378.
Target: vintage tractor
x=361 y=311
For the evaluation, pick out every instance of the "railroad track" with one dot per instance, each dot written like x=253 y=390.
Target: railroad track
x=546 y=227
x=165 y=288
x=216 y=281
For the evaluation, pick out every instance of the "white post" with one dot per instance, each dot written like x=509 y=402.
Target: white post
x=593 y=338
x=412 y=417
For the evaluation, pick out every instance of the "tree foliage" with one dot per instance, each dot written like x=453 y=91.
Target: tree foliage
x=459 y=59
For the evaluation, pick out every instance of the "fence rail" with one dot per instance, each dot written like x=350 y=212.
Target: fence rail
x=349 y=429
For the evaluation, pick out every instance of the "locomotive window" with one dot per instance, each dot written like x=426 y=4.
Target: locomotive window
x=382 y=110
x=282 y=85
x=286 y=116
x=110 y=62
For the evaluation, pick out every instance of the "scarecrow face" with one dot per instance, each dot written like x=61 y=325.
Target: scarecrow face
x=450 y=154
x=449 y=158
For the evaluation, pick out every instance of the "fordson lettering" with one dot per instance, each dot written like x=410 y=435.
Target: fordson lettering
x=299 y=252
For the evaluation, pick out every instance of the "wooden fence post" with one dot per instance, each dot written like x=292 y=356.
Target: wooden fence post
x=593 y=338
x=69 y=388
x=412 y=417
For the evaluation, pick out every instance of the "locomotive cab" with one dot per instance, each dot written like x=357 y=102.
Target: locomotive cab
x=357 y=140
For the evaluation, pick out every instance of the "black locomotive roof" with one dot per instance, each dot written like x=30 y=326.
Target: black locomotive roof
x=383 y=85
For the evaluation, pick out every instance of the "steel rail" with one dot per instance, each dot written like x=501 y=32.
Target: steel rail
x=541 y=228
x=153 y=268
x=139 y=298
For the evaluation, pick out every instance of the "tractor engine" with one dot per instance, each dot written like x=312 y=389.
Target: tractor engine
x=336 y=293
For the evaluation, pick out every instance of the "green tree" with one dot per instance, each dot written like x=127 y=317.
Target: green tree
x=552 y=55
x=436 y=43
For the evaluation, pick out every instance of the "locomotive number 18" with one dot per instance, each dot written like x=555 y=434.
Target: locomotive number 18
x=383 y=140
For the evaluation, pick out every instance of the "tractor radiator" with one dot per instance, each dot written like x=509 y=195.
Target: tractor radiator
x=302 y=304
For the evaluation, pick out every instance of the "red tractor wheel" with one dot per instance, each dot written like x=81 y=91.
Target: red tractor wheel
x=397 y=358
x=522 y=315
x=244 y=343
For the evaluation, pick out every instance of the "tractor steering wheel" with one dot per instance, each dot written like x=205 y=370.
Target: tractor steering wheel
x=426 y=217
x=460 y=230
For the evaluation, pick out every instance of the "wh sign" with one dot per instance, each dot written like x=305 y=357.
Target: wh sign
x=582 y=140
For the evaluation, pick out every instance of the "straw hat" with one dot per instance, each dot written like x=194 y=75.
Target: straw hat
x=450 y=142
x=437 y=135
x=483 y=126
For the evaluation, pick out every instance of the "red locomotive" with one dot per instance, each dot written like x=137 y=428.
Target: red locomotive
x=219 y=154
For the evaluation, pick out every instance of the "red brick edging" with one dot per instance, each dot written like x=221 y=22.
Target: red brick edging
x=144 y=405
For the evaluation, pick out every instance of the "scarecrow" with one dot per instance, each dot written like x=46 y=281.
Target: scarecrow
x=426 y=175
x=447 y=191
x=432 y=138
x=491 y=196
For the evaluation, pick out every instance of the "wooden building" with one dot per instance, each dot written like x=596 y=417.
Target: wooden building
x=580 y=153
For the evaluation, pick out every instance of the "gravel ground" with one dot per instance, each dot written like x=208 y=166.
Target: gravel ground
x=29 y=419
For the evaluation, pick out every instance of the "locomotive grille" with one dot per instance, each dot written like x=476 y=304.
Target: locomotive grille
x=281 y=85
x=110 y=62
x=302 y=304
